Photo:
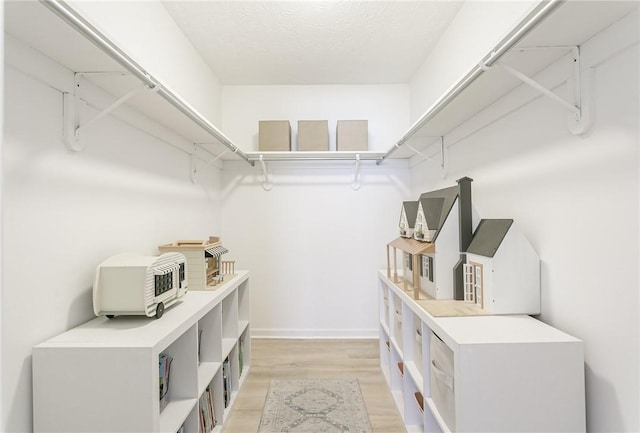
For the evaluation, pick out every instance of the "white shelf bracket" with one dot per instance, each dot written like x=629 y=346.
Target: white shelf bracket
x=355 y=184
x=427 y=157
x=193 y=168
x=579 y=104
x=73 y=104
x=193 y=171
x=266 y=183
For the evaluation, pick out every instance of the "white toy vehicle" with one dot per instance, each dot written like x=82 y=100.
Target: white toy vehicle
x=132 y=284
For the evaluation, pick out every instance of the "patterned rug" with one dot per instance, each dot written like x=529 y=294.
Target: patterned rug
x=314 y=406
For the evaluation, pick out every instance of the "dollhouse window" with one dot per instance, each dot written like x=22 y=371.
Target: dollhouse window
x=408 y=262
x=426 y=268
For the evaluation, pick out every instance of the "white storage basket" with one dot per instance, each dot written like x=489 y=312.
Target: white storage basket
x=442 y=382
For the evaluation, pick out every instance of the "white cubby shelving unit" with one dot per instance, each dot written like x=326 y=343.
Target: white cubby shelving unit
x=103 y=375
x=480 y=373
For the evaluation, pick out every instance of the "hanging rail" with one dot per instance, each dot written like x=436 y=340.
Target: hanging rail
x=75 y=20
x=529 y=23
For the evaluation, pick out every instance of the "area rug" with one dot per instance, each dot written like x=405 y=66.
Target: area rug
x=314 y=406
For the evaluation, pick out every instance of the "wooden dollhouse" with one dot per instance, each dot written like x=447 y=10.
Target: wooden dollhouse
x=494 y=269
x=205 y=266
x=429 y=260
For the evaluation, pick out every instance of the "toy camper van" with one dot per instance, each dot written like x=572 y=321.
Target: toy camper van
x=132 y=284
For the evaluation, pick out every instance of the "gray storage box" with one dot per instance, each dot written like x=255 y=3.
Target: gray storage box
x=313 y=135
x=274 y=135
x=352 y=135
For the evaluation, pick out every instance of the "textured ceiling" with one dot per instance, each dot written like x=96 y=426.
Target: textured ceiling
x=309 y=42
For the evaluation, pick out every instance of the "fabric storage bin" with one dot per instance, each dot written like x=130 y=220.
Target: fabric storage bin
x=442 y=381
x=397 y=325
x=417 y=344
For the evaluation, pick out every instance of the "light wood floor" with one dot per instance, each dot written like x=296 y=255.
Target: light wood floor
x=281 y=358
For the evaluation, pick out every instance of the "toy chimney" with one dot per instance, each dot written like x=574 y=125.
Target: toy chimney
x=465 y=227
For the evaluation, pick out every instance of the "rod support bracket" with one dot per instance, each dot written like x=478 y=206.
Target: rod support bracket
x=579 y=89
x=74 y=105
x=266 y=183
x=355 y=184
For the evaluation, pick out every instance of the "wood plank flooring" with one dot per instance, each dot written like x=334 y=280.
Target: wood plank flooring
x=282 y=358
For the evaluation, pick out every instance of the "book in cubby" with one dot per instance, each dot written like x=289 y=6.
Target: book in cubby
x=164 y=367
x=240 y=350
x=207 y=411
x=226 y=381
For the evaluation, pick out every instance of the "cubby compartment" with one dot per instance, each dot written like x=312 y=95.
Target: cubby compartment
x=385 y=352
x=244 y=307
x=209 y=346
x=396 y=373
x=413 y=414
x=412 y=355
x=417 y=340
x=229 y=323
x=209 y=418
x=384 y=306
x=433 y=423
x=426 y=353
x=182 y=386
x=396 y=328
x=441 y=366
x=244 y=354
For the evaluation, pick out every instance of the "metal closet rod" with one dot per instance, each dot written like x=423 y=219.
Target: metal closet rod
x=534 y=18
x=75 y=20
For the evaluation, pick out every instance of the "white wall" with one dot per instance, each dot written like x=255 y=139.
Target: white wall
x=386 y=107
x=65 y=212
x=312 y=243
x=576 y=199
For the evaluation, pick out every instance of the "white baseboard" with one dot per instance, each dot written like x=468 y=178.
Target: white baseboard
x=315 y=333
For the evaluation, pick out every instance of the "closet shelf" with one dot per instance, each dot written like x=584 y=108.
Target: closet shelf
x=315 y=156
x=547 y=34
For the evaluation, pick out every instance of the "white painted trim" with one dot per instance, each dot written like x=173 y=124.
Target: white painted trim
x=315 y=333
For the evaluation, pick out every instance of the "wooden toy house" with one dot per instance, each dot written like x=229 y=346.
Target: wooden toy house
x=443 y=226
x=502 y=270
x=205 y=266
x=437 y=223
x=408 y=215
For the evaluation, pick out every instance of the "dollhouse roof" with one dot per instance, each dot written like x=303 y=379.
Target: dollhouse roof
x=488 y=236
x=436 y=206
x=412 y=246
x=410 y=211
